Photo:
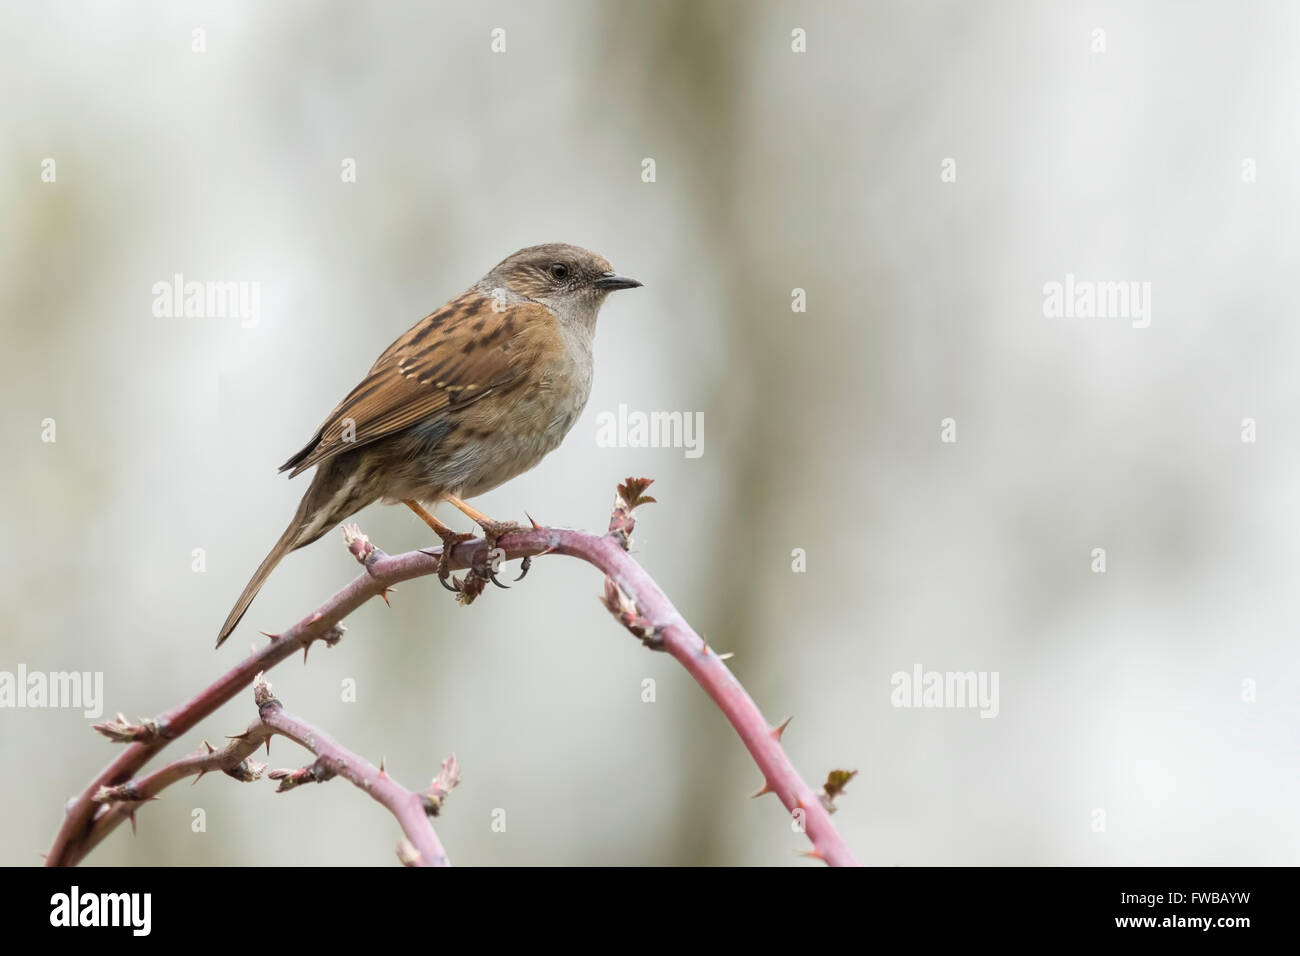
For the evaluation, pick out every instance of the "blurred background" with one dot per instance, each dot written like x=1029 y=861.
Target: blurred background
x=921 y=171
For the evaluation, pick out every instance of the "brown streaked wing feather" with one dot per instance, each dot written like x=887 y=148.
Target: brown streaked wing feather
x=448 y=360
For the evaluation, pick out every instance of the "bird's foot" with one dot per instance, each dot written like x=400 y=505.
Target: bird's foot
x=488 y=558
x=449 y=541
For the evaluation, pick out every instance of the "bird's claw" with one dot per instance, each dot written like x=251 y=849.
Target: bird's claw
x=485 y=564
x=449 y=542
x=488 y=558
x=483 y=568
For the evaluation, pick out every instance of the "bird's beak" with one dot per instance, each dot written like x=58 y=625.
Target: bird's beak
x=612 y=280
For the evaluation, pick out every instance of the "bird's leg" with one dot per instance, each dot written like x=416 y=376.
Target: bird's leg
x=449 y=540
x=492 y=530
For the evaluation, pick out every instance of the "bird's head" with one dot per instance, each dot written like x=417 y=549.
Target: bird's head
x=571 y=281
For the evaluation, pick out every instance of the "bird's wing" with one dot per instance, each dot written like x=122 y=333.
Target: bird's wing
x=447 y=361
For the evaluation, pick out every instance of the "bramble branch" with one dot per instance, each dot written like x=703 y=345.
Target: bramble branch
x=420 y=847
x=632 y=597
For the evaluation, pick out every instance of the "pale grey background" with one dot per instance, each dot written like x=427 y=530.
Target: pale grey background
x=775 y=170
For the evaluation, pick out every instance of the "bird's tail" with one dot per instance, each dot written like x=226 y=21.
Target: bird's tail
x=327 y=502
x=288 y=541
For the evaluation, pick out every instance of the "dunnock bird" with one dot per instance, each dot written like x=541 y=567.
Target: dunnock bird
x=471 y=396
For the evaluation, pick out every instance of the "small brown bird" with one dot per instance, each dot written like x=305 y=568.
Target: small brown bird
x=467 y=399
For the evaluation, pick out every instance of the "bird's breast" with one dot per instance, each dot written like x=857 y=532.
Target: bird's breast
x=500 y=440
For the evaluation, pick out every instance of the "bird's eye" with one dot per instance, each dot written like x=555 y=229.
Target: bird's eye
x=559 y=270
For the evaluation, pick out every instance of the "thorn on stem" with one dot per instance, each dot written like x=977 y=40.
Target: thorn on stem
x=777 y=732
